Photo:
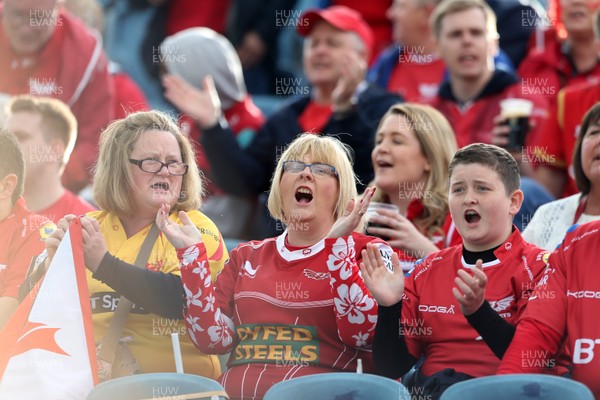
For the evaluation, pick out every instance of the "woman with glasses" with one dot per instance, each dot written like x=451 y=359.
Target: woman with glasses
x=145 y=164
x=413 y=147
x=295 y=304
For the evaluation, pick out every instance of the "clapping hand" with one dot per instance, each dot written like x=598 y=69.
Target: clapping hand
x=472 y=289
x=180 y=235
x=387 y=288
x=352 y=215
x=203 y=105
x=353 y=73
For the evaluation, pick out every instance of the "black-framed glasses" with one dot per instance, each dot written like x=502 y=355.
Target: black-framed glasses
x=154 y=166
x=317 y=169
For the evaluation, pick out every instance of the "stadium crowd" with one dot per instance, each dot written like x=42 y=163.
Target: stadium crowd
x=302 y=184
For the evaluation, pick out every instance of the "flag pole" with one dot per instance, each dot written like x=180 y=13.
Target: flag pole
x=177 y=353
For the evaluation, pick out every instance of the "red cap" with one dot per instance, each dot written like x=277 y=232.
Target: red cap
x=341 y=17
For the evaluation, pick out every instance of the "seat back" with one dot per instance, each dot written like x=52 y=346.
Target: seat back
x=517 y=387
x=338 y=386
x=164 y=385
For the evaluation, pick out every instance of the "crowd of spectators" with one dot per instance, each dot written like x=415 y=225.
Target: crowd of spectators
x=254 y=135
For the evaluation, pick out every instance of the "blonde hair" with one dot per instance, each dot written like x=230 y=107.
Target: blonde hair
x=322 y=149
x=448 y=7
x=438 y=145
x=113 y=181
x=57 y=119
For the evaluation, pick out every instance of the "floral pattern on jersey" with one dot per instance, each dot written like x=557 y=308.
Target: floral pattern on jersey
x=190 y=254
x=193 y=323
x=354 y=306
x=201 y=304
x=210 y=303
x=343 y=258
x=221 y=333
x=361 y=339
x=202 y=270
x=191 y=297
x=352 y=302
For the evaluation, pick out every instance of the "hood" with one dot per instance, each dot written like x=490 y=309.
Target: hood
x=196 y=52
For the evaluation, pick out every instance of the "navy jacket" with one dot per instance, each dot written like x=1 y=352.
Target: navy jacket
x=249 y=171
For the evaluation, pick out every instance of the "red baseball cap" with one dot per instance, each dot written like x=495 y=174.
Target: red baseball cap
x=341 y=17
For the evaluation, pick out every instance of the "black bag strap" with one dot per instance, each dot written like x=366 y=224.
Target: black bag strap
x=110 y=341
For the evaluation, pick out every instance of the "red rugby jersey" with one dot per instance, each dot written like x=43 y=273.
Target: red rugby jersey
x=432 y=321
x=566 y=300
x=282 y=312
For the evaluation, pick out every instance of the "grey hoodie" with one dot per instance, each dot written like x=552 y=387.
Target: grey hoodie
x=196 y=52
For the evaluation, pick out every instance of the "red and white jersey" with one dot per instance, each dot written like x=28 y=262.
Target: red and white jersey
x=282 y=312
x=432 y=321
x=567 y=300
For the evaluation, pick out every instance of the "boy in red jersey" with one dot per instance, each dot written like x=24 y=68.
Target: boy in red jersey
x=493 y=272
x=563 y=308
x=19 y=237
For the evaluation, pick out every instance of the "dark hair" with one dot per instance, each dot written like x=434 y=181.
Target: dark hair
x=12 y=161
x=591 y=117
x=497 y=158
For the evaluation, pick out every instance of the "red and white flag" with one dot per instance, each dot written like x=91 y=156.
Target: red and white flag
x=47 y=348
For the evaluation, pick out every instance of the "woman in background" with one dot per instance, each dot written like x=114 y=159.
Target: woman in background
x=413 y=147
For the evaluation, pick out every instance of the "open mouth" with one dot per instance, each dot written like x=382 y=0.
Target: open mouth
x=467 y=57
x=577 y=14
x=472 y=216
x=160 y=186
x=384 y=164
x=304 y=195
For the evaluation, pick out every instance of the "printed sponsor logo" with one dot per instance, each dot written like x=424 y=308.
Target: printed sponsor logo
x=276 y=344
x=583 y=351
x=436 y=309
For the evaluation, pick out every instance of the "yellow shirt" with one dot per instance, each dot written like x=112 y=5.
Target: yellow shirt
x=150 y=333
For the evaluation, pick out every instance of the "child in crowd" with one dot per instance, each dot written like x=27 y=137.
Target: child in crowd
x=493 y=273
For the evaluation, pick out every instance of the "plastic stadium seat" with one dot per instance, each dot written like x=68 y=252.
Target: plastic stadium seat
x=338 y=386
x=158 y=386
x=518 y=386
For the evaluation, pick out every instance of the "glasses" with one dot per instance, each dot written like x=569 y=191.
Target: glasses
x=317 y=169
x=154 y=166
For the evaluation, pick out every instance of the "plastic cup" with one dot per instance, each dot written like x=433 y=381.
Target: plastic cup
x=372 y=210
x=516 y=112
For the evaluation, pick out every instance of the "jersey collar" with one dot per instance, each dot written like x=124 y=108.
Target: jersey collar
x=294 y=255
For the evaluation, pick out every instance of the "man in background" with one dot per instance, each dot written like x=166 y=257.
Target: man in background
x=47 y=132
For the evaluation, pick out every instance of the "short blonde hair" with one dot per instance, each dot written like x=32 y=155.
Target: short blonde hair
x=113 y=181
x=438 y=145
x=322 y=149
x=57 y=119
x=448 y=7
